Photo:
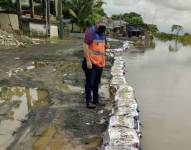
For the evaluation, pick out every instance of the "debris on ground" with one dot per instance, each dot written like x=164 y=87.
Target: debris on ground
x=8 y=40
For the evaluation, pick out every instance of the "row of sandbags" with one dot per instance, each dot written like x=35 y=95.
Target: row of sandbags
x=123 y=132
x=117 y=51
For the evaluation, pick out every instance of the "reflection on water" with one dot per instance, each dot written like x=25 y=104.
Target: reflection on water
x=15 y=104
x=174 y=46
x=162 y=83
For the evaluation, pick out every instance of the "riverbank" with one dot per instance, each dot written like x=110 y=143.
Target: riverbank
x=183 y=39
x=42 y=99
x=123 y=131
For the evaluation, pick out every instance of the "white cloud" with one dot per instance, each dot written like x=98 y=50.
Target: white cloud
x=164 y=13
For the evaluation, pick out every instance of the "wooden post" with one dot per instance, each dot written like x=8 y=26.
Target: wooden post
x=56 y=7
x=48 y=11
x=46 y=15
x=19 y=13
x=61 y=25
x=32 y=8
x=44 y=9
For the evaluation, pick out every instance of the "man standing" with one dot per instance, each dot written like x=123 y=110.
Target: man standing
x=94 y=60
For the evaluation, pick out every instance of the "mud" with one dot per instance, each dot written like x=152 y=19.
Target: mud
x=42 y=99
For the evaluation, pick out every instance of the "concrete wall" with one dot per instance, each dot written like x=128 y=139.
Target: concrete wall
x=8 y=20
x=54 y=31
x=38 y=29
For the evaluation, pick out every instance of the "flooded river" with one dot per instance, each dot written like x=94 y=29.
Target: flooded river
x=161 y=77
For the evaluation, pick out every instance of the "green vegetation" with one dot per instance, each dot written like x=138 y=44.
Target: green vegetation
x=165 y=36
x=135 y=19
x=185 y=39
x=7 y=5
x=83 y=12
x=131 y=18
x=175 y=35
x=177 y=29
x=153 y=28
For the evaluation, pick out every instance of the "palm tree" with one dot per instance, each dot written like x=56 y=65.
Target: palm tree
x=84 y=12
x=177 y=29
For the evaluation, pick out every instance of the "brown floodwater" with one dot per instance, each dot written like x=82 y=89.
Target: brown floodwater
x=161 y=77
x=16 y=103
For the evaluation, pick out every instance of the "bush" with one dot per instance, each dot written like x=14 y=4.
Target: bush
x=165 y=36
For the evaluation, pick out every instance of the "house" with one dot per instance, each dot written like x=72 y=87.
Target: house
x=32 y=17
x=136 y=30
x=117 y=26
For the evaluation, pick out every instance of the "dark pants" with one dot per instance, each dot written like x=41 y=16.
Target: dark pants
x=93 y=79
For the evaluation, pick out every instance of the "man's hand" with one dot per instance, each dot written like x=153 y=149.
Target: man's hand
x=89 y=64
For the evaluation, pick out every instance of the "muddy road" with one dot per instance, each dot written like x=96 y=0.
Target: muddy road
x=42 y=99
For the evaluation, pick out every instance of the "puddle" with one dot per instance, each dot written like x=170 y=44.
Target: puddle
x=32 y=66
x=15 y=104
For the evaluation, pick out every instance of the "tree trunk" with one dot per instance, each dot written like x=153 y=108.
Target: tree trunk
x=19 y=13
x=72 y=27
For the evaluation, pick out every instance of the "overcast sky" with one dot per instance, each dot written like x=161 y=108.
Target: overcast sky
x=164 y=13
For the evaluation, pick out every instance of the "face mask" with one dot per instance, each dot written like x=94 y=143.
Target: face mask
x=101 y=29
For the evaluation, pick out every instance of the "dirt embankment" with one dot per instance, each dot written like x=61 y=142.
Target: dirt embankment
x=42 y=99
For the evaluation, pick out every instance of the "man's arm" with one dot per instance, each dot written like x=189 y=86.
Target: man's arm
x=86 y=51
x=86 y=54
x=87 y=41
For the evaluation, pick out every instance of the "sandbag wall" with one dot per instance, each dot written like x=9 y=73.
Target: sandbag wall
x=123 y=132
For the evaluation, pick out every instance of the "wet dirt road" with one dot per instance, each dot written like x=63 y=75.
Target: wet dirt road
x=42 y=100
x=161 y=77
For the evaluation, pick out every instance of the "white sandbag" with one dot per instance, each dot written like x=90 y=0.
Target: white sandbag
x=125 y=111
x=119 y=64
x=131 y=103
x=118 y=81
x=127 y=122
x=122 y=121
x=121 y=137
x=125 y=92
x=117 y=72
x=119 y=147
x=126 y=45
x=118 y=58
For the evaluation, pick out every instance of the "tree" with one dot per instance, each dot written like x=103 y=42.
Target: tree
x=153 y=28
x=7 y=5
x=131 y=18
x=187 y=34
x=136 y=21
x=84 y=12
x=177 y=29
x=116 y=17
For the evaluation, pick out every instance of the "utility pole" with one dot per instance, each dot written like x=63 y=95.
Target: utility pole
x=61 y=24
